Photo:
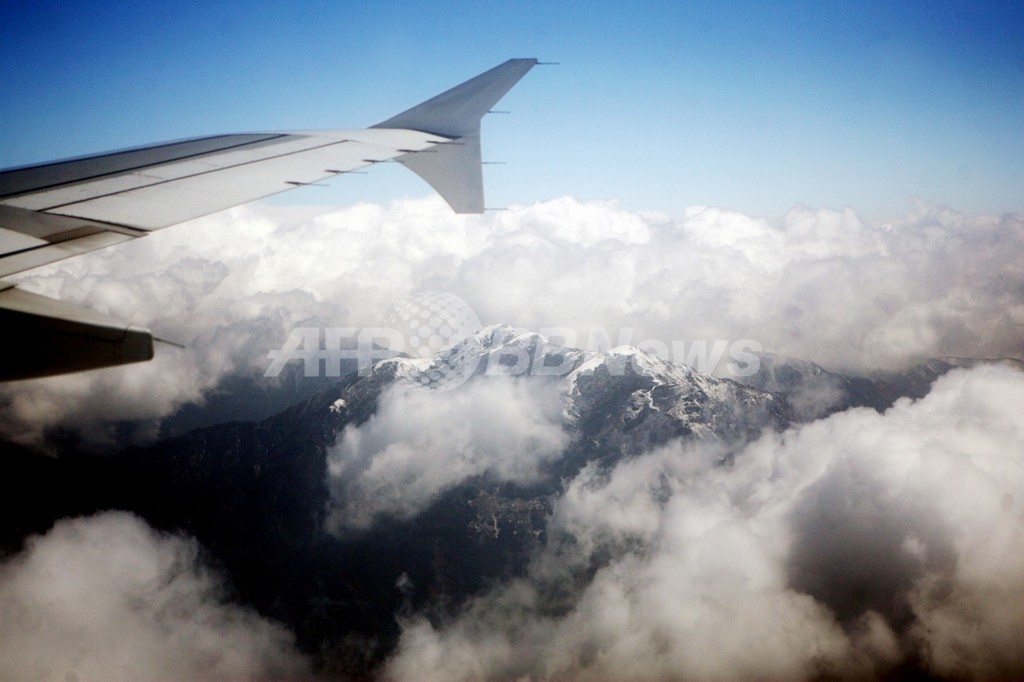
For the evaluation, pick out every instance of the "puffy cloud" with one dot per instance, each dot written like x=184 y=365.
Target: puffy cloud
x=840 y=548
x=200 y=294
x=420 y=443
x=871 y=539
x=820 y=284
x=107 y=597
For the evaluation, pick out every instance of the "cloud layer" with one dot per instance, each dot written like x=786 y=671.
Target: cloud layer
x=106 y=598
x=820 y=284
x=841 y=548
x=844 y=547
x=420 y=443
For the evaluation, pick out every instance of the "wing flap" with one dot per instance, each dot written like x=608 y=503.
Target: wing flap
x=29 y=239
x=52 y=252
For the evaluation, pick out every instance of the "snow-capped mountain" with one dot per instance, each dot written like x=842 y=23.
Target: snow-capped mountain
x=624 y=400
x=257 y=495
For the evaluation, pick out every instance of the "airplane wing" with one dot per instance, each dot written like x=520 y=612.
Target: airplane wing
x=56 y=210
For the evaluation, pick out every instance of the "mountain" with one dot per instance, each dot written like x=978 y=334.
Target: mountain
x=256 y=495
x=813 y=391
x=623 y=401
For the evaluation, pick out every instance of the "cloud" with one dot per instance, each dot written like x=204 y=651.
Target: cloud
x=819 y=284
x=420 y=443
x=840 y=548
x=107 y=597
x=874 y=539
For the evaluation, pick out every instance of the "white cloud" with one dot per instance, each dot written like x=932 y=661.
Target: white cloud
x=868 y=536
x=420 y=443
x=839 y=548
x=106 y=597
x=821 y=284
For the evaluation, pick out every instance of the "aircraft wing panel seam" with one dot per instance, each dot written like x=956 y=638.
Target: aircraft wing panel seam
x=12 y=263
x=56 y=207
x=52 y=240
x=268 y=138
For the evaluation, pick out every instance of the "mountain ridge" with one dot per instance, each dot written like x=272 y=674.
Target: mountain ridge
x=255 y=495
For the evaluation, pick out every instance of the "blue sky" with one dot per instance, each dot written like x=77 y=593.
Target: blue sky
x=750 y=106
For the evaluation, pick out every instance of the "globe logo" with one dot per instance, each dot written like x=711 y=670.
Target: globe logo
x=432 y=323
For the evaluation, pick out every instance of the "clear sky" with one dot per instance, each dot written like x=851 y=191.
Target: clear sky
x=755 y=106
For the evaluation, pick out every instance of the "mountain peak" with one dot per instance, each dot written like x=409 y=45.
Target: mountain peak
x=625 y=398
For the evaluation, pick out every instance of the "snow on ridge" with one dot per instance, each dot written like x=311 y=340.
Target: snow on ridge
x=502 y=349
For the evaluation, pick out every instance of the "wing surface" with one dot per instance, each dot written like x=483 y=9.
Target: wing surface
x=56 y=210
x=130 y=193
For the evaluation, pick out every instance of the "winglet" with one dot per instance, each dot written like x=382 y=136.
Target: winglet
x=454 y=169
x=457 y=112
